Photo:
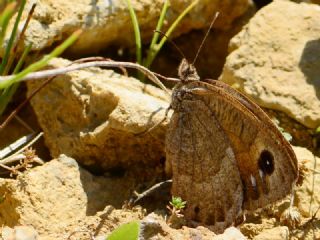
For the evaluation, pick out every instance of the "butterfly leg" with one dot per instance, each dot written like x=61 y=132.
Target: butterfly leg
x=157 y=124
x=149 y=191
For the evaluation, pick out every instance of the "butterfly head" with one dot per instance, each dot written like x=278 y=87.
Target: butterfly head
x=187 y=72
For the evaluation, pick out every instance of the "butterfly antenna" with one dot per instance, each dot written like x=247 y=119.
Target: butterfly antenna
x=172 y=42
x=205 y=37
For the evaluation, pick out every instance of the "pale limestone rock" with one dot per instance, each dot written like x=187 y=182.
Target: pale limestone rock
x=308 y=189
x=60 y=198
x=108 y=22
x=230 y=233
x=277 y=233
x=93 y=115
x=275 y=60
x=154 y=227
x=307 y=1
x=19 y=233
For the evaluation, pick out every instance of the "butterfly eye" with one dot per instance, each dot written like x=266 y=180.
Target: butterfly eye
x=266 y=162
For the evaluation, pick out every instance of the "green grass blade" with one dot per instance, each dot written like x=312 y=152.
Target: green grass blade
x=5 y=18
x=8 y=93
x=176 y=22
x=159 y=24
x=17 y=42
x=153 y=44
x=170 y=30
x=6 y=96
x=136 y=30
x=128 y=231
x=12 y=38
x=43 y=62
x=22 y=59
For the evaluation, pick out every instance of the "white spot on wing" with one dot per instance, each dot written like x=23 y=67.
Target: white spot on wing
x=261 y=174
x=253 y=181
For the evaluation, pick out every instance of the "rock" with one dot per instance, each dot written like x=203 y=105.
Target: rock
x=151 y=226
x=108 y=22
x=230 y=233
x=60 y=199
x=94 y=116
x=277 y=233
x=19 y=233
x=308 y=1
x=15 y=130
x=311 y=184
x=154 y=227
x=275 y=61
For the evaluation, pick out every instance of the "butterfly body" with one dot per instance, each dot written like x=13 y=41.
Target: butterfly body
x=224 y=152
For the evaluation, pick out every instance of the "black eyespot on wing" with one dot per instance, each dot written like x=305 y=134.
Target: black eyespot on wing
x=266 y=162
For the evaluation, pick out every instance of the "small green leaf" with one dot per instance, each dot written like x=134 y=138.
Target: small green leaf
x=318 y=129
x=177 y=203
x=287 y=136
x=128 y=231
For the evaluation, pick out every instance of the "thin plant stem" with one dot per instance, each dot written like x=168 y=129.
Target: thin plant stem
x=43 y=62
x=8 y=150
x=153 y=44
x=24 y=124
x=136 y=29
x=8 y=92
x=14 y=49
x=4 y=19
x=53 y=72
x=30 y=143
x=169 y=32
x=22 y=59
x=177 y=21
x=21 y=105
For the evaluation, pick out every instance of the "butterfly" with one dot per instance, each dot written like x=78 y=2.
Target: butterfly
x=224 y=152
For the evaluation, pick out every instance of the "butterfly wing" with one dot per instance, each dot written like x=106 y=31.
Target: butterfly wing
x=204 y=167
x=266 y=161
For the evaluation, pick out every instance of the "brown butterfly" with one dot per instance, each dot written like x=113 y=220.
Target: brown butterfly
x=224 y=152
